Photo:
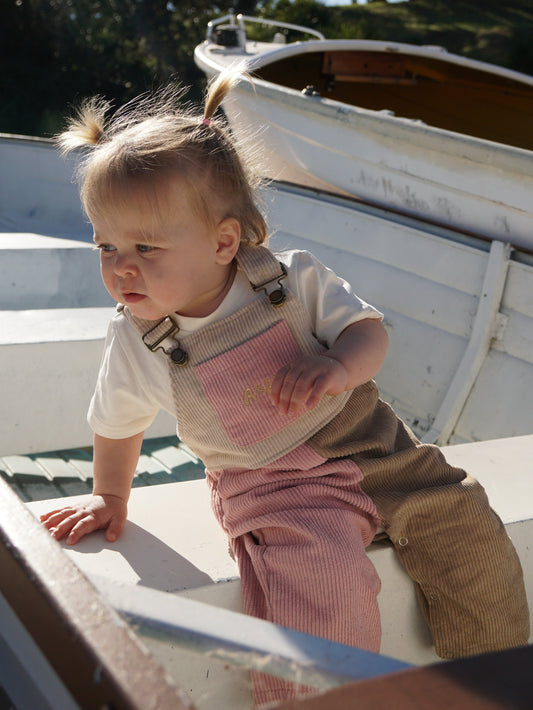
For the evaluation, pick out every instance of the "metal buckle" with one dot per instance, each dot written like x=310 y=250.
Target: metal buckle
x=177 y=355
x=277 y=296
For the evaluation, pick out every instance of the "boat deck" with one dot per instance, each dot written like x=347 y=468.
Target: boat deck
x=56 y=474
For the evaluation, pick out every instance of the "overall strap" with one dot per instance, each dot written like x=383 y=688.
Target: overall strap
x=158 y=335
x=263 y=271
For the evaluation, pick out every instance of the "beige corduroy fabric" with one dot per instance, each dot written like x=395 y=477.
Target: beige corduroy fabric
x=468 y=576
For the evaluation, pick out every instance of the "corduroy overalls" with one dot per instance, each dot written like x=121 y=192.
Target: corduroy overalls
x=288 y=492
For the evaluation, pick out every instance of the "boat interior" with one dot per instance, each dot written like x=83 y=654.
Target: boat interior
x=154 y=620
x=431 y=90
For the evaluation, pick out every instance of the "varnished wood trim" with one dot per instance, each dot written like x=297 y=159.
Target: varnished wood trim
x=496 y=681
x=92 y=650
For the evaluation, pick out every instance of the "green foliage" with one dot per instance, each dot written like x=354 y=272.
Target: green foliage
x=54 y=52
x=491 y=30
x=57 y=51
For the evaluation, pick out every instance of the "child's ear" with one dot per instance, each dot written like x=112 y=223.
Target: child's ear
x=228 y=239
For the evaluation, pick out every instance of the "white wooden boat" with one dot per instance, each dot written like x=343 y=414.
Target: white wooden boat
x=459 y=312
x=410 y=128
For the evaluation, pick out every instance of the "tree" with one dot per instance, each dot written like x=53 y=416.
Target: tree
x=57 y=51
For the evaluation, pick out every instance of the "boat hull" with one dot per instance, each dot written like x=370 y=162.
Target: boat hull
x=454 y=180
x=411 y=128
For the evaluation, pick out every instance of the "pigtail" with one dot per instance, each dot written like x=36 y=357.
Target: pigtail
x=218 y=89
x=232 y=161
x=87 y=127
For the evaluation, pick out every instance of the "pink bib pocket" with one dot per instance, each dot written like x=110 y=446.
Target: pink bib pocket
x=237 y=384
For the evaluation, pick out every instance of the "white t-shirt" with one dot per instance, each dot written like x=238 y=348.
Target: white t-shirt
x=134 y=383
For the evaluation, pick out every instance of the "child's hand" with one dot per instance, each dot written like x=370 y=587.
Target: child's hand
x=95 y=513
x=303 y=383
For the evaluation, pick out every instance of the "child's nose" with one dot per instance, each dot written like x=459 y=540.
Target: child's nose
x=124 y=265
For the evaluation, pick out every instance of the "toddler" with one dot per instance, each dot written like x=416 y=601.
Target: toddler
x=267 y=361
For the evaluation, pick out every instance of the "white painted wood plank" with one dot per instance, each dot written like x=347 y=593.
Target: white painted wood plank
x=505 y=469
x=246 y=641
x=396 y=291
x=500 y=401
x=56 y=467
x=517 y=337
x=379 y=236
x=21 y=465
x=44 y=272
x=518 y=293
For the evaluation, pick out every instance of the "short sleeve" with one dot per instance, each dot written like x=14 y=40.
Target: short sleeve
x=124 y=403
x=329 y=300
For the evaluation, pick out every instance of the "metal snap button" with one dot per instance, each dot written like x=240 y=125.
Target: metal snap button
x=179 y=357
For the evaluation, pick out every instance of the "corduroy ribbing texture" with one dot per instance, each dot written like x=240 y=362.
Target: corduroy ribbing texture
x=298 y=529
x=468 y=575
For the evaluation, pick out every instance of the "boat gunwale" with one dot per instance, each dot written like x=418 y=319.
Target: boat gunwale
x=253 y=60
x=91 y=649
x=472 y=147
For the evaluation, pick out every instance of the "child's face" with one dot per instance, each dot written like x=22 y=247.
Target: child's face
x=164 y=260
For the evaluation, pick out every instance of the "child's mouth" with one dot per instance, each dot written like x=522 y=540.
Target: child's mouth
x=133 y=297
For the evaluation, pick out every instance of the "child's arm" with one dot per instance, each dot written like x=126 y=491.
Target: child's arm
x=114 y=464
x=355 y=357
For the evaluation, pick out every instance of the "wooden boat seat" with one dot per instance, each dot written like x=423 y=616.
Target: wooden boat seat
x=172 y=542
x=49 y=361
x=39 y=271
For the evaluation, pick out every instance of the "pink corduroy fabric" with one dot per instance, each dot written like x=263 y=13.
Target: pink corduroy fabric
x=239 y=395
x=298 y=529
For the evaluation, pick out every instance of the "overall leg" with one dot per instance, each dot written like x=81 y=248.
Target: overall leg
x=469 y=578
x=468 y=575
x=311 y=574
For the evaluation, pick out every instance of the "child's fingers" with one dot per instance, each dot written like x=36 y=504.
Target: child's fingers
x=277 y=384
x=52 y=518
x=48 y=516
x=307 y=393
x=84 y=526
x=293 y=385
x=290 y=391
x=90 y=523
x=300 y=394
x=305 y=381
x=60 y=523
x=319 y=389
x=61 y=527
x=114 y=529
x=74 y=522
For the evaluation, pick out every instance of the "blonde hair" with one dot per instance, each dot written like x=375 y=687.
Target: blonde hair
x=157 y=136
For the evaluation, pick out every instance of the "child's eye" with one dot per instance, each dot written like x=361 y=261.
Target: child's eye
x=144 y=248
x=105 y=247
